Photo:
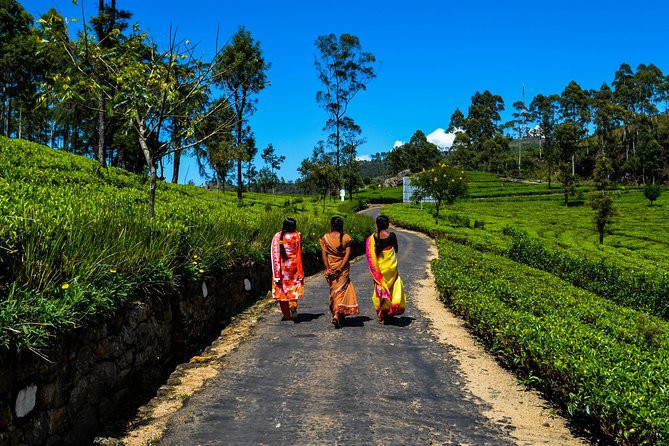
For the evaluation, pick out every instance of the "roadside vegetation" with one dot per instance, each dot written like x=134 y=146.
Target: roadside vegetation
x=582 y=321
x=76 y=241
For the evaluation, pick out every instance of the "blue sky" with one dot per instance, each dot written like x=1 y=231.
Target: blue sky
x=432 y=55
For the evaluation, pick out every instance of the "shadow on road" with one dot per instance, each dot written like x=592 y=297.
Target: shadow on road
x=355 y=321
x=402 y=321
x=307 y=317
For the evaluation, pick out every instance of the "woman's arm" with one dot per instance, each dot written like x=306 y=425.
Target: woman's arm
x=324 y=256
x=394 y=241
x=347 y=253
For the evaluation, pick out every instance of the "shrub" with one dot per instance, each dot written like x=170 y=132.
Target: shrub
x=652 y=192
x=603 y=363
x=640 y=290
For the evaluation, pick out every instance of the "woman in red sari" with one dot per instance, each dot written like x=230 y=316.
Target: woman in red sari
x=336 y=252
x=287 y=272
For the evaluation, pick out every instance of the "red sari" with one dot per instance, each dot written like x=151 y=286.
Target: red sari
x=290 y=285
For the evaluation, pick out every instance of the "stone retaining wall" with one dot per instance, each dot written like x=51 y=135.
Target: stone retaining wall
x=67 y=399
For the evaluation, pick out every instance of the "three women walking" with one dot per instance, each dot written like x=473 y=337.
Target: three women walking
x=336 y=252
x=381 y=248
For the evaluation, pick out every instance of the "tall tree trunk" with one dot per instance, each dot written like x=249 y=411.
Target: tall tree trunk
x=152 y=190
x=2 y=111
x=573 y=164
x=337 y=155
x=240 y=184
x=66 y=136
x=101 y=131
x=177 y=164
x=150 y=162
x=21 y=126
x=8 y=130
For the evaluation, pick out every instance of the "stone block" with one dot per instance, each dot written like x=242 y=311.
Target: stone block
x=25 y=401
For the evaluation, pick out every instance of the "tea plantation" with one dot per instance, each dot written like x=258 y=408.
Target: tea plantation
x=584 y=322
x=76 y=243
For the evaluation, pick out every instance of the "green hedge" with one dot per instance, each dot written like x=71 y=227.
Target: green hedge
x=603 y=362
x=641 y=290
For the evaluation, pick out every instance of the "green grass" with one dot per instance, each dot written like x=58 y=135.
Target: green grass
x=75 y=241
x=380 y=195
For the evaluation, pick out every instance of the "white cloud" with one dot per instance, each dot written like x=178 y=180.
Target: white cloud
x=363 y=158
x=441 y=139
x=397 y=144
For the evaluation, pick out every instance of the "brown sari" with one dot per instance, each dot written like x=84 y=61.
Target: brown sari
x=342 y=293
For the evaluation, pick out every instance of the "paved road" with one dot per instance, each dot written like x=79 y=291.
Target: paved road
x=307 y=383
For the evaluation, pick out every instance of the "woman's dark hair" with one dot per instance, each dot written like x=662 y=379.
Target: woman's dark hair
x=289 y=225
x=382 y=222
x=337 y=224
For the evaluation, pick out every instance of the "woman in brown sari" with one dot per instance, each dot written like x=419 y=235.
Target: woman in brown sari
x=336 y=248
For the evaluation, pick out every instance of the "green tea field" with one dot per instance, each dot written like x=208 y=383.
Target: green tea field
x=584 y=322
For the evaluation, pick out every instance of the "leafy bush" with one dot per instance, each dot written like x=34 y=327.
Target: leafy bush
x=602 y=362
x=641 y=290
x=652 y=192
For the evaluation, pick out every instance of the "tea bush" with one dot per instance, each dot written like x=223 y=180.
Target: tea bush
x=602 y=362
x=75 y=241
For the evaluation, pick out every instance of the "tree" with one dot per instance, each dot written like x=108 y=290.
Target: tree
x=606 y=117
x=458 y=122
x=217 y=151
x=652 y=192
x=266 y=178
x=17 y=51
x=602 y=203
x=602 y=172
x=479 y=145
x=318 y=173
x=415 y=155
x=575 y=108
x=351 y=141
x=344 y=70
x=567 y=137
x=273 y=161
x=106 y=27
x=442 y=183
x=521 y=116
x=544 y=111
x=240 y=72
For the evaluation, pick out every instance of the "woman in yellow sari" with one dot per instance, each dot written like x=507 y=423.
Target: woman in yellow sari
x=336 y=251
x=287 y=272
x=388 y=296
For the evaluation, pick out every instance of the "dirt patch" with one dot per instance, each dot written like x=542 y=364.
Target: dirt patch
x=522 y=412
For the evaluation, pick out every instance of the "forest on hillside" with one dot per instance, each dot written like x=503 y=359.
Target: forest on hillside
x=558 y=135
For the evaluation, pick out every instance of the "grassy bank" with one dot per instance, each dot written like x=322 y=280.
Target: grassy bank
x=75 y=241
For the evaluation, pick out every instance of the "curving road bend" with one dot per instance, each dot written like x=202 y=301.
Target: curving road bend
x=307 y=383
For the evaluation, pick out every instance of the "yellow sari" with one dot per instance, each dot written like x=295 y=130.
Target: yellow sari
x=388 y=296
